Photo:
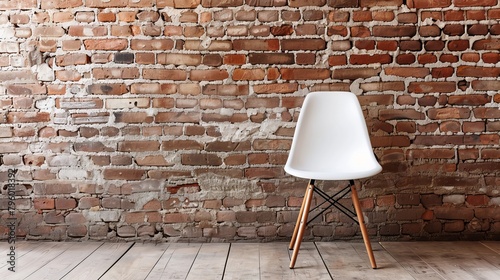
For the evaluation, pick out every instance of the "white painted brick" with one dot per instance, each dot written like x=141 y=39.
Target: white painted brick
x=113 y=103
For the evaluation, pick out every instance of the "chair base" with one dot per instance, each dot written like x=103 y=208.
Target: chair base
x=302 y=219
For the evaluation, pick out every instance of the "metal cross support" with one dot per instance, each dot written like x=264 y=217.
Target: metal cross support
x=334 y=201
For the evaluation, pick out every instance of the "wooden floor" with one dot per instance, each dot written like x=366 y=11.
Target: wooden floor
x=319 y=260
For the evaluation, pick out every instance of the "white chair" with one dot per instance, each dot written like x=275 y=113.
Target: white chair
x=331 y=142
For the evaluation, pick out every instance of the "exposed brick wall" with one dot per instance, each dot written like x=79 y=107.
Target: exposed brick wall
x=170 y=119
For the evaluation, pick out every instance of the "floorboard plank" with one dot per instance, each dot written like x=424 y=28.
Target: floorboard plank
x=243 y=262
x=137 y=263
x=494 y=248
x=456 y=260
x=65 y=262
x=5 y=248
x=21 y=249
x=176 y=262
x=492 y=245
x=415 y=266
x=309 y=264
x=99 y=261
x=274 y=261
x=210 y=262
x=35 y=259
x=350 y=261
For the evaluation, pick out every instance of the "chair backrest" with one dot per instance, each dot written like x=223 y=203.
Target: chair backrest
x=331 y=141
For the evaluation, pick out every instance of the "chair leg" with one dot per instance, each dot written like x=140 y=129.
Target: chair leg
x=364 y=232
x=303 y=223
x=297 y=224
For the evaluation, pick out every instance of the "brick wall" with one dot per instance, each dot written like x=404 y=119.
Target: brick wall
x=171 y=120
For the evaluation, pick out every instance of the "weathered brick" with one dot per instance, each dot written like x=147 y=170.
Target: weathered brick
x=43 y=203
x=201 y=159
x=392 y=114
x=106 y=44
x=208 y=75
x=256 y=45
x=248 y=75
x=454 y=29
x=305 y=74
x=13 y=147
x=427 y=87
x=453 y=213
x=92 y=147
x=449 y=113
x=355 y=73
x=394 y=31
x=123 y=174
x=115 y=73
x=111 y=89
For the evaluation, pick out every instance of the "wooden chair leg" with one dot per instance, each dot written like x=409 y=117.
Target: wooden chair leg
x=303 y=223
x=297 y=224
x=364 y=232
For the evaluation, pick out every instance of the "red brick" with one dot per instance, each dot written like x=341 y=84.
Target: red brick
x=429 y=31
x=394 y=31
x=164 y=74
x=208 y=75
x=386 y=200
x=256 y=45
x=433 y=153
x=390 y=141
x=427 y=58
x=105 y=44
x=483 y=3
x=470 y=99
x=27 y=117
x=360 y=32
x=304 y=74
x=92 y=147
x=442 y=72
x=65 y=203
x=201 y=159
x=138 y=146
x=44 y=203
x=355 y=73
x=150 y=45
x=454 y=213
x=423 y=4
x=369 y=59
x=365 y=44
x=407 y=71
x=404 y=59
x=263 y=173
x=449 y=113
x=391 y=114
x=454 y=29
x=272 y=144
x=463 y=71
x=491 y=57
x=471 y=57
x=123 y=174
x=486 y=113
x=477 y=200
x=234 y=59
x=249 y=75
x=427 y=87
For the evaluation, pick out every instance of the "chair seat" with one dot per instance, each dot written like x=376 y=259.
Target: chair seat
x=341 y=173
